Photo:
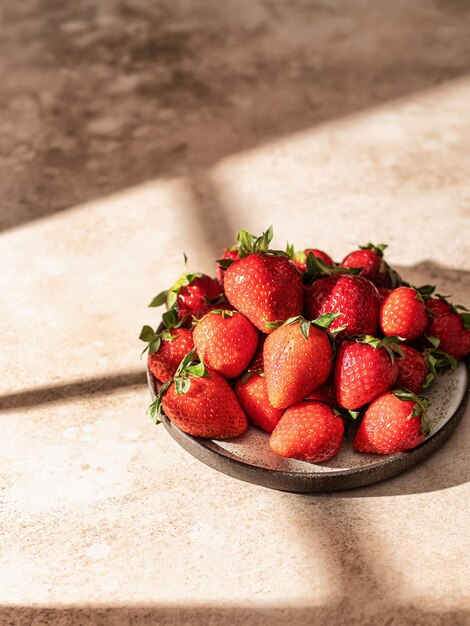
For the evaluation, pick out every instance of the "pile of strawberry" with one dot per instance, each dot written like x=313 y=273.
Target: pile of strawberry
x=301 y=347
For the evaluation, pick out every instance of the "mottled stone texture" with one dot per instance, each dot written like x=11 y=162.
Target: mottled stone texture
x=131 y=131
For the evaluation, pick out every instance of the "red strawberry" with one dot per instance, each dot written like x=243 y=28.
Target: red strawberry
x=403 y=314
x=167 y=346
x=297 y=360
x=364 y=369
x=226 y=341
x=450 y=327
x=191 y=294
x=230 y=254
x=309 y=431
x=325 y=393
x=394 y=422
x=370 y=259
x=353 y=296
x=200 y=402
x=174 y=345
x=252 y=393
x=300 y=258
x=412 y=369
x=264 y=287
x=437 y=307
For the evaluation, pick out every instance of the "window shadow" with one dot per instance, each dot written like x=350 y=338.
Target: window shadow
x=100 y=97
x=71 y=390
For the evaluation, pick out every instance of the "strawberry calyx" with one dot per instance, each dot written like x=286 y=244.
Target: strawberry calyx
x=153 y=339
x=290 y=250
x=423 y=293
x=225 y=313
x=190 y=367
x=323 y=321
x=420 y=408
x=377 y=249
x=317 y=268
x=250 y=244
x=438 y=363
x=390 y=344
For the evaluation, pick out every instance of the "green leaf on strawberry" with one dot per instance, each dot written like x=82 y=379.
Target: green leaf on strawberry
x=323 y=322
x=390 y=344
x=153 y=338
x=378 y=249
x=420 y=407
x=317 y=268
x=154 y=410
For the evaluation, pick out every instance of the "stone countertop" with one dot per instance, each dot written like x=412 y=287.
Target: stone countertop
x=133 y=132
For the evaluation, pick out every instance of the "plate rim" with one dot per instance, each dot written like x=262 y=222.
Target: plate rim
x=313 y=481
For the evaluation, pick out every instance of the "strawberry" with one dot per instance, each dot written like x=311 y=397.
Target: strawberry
x=297 y=359
x=309 y=431
x=166 y=347
x=263 y=286
x=394 y=422
x=230 y=254
x=373 y=266
x=403 y=314
x=353 y=296
x=364 y=369
x=299 y=259
x=325 y=393
x=200 y=402
x=191 y=295
x=450 y=327
x=252 y=393
x=412 y=370
x=226 y=341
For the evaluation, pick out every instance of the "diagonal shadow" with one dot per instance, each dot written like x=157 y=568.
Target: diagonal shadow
x=71 y=390
x=97 y=98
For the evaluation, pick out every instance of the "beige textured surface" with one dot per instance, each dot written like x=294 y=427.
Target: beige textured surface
x=131 y=131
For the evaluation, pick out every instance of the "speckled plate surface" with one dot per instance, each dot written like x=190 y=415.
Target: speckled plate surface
x=249 y=457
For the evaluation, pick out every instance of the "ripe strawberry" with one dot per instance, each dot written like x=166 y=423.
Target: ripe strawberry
x=325 y=393
x=412 y=370
x=230 y=254
x=226 y=341
x=394 y=422
x=403 y=314
x=167 y=346
x=309 y=431
x=450 y=327
x=364 y=369
x=299 y=259
x=191 y=294
x=200 y=402
x=353 y=296
x=370 y=259
x=252 y=393
x=261 y=285
x=297 y=360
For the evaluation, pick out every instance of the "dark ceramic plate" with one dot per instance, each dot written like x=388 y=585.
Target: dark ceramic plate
x=249 y=457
